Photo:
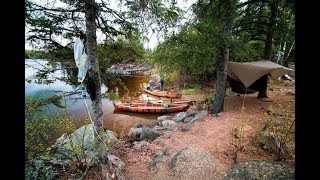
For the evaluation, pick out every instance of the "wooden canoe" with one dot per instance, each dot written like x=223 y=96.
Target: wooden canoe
x=163 y=93
x=162 y=101
x=151 y=108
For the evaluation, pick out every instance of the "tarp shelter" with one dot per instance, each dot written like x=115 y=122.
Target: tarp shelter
x=249 y=72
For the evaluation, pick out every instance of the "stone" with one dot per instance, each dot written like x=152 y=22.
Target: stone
x=269 y=141
x=149 y=134
x=165 y=117
x=159 y=128
x=115 y=160
x=168 y=123
x=162 y=118
x=82 y=137
x=201 y=114
x=141 y=146
x=157 y=159
x=187 y=119
x=134 y=133
x=186 y=127
x=193 y=163
x=180 y=116
x=259 y=170
x=167 y=151
x=191 y=113
x=193 y=120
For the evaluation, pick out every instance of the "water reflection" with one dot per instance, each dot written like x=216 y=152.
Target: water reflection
x=44 y=78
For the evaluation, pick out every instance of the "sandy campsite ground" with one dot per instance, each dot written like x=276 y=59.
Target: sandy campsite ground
x=212 y=134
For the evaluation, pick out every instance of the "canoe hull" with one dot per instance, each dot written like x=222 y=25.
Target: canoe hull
x=153 y=109
x=163 y=94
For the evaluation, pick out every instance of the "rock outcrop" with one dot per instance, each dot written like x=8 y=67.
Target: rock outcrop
x=260 y=170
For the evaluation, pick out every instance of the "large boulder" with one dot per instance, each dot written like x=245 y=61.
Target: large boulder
x=260 y=170
x=193 y=163
x=81 y=138
x=80 y=145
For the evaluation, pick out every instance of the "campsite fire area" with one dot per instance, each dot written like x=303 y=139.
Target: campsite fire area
x=248 y=129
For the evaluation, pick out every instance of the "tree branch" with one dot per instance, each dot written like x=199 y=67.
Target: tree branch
x=41 y=8
x=253 y=38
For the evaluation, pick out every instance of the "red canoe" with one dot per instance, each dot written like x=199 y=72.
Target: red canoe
x=163 y=93
x=151 y=108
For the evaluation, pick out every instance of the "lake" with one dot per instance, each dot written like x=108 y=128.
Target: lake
x=45 y=78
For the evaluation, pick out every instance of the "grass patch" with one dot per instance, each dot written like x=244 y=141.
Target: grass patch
x=191 y=90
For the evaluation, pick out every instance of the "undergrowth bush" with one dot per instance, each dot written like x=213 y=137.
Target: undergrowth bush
x=47 y=155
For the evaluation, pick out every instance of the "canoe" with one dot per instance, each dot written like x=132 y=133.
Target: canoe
x=163 y=93
x=151 y=108
x=167 y=101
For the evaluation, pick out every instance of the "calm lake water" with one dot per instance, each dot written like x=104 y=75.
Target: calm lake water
x=45 y=78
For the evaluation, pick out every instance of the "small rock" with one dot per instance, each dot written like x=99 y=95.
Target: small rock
x=141 y=146
x=165 y=117
x=157 y=159
x=219 y=114
x=167 y=151
x=195 y=119
x=168 y=123
x=162 y=118
x=167 y=134
x=116 y=161
x=201 y=114
x=149 y=134
x=159 y=128
x=159 y=142
x=180 y=116
x=185 y=127
x=188 y=119
x=191 y=113
x=134 y=133
x=270 y=141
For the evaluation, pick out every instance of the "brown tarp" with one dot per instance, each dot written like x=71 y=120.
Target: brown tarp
x=249 y=72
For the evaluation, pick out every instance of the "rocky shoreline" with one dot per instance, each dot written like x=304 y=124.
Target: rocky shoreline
x=128 y=68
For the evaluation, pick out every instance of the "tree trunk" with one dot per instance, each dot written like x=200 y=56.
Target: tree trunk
x=94 y=81
x=268 y=47
x=222 y=63
x=94 y=85
x=263 y=89
x=221 y=79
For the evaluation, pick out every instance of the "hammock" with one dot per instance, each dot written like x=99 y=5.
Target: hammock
x=250 y=74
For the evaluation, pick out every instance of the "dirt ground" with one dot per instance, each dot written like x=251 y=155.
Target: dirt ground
x=214 y=134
